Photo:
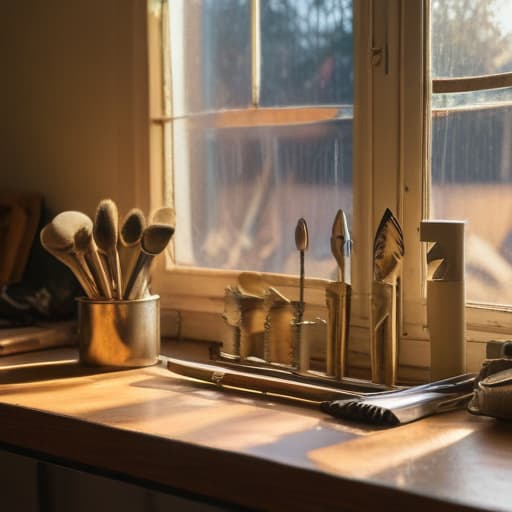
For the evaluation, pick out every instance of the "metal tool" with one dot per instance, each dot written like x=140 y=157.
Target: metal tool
x=493 y=390
x=386 y=408
x=403 y=406
x=338 y=299
x=301 y=242
x=341 y=246
x=223 y=377
x=388 y=251
x=250 y=366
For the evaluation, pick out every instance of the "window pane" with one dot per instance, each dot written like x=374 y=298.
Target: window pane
x=248 y=186
x=211 y=55
x=306 y=52
x=471 y=37
x=243 y=177
x=471 y=140
x=471 y=100
x=472 y=180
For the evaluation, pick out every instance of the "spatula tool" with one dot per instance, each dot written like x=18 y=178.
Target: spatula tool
x=388 y=251
x=338 y=299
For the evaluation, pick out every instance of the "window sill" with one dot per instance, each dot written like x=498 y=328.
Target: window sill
x=158 y=430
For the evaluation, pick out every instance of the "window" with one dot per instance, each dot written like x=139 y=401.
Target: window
x=273 y=110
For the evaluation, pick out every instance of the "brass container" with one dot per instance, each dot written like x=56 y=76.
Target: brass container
x=338 y=300
x=119 y=333
x=282 y=333
x=245 y=314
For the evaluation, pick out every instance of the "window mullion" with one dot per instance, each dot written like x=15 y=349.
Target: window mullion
x=415 y=135
x=385 y=109
x=400 y=147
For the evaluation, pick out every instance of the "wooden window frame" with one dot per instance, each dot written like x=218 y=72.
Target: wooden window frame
x=392 y=92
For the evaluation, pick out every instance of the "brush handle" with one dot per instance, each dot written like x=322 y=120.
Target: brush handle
x=80 y=272
x=98 y=271
x=128 y=255
x=383 y=333
x=115 y=272
x=138 y=279
x=109 y=262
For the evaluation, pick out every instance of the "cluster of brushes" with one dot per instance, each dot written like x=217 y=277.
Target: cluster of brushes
x=110 y=260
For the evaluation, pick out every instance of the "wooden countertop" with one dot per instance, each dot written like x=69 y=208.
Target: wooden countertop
x=160 y=429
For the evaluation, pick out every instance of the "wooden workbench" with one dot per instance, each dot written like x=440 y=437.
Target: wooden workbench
x=158 y=429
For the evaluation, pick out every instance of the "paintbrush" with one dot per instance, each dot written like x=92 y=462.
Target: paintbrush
x=154 y=240
x=84 y=244
x=64 y=252
x=164 y=215
x=128 y=244
x=105 y=235
x=78 y=227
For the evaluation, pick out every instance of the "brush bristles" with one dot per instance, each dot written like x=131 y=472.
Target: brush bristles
x=165 y=215
x=359 y=410
x=52 y=243
x=156 y=237
x=105 y=225
x=64 y=226
x=91 y=250
x=132 y=227
x=68 y=222
x=83 y=238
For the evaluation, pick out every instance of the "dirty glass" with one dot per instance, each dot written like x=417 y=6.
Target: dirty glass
x=241 y=181
x=471 y=174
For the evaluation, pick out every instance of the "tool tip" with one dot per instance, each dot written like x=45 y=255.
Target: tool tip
x=301 y=235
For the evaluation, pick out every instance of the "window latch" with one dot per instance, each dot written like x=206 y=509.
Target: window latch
x=376 y=57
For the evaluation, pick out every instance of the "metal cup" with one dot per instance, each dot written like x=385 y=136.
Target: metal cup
x=119 y=333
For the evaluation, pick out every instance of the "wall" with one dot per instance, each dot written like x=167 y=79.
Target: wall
x=74 y=102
